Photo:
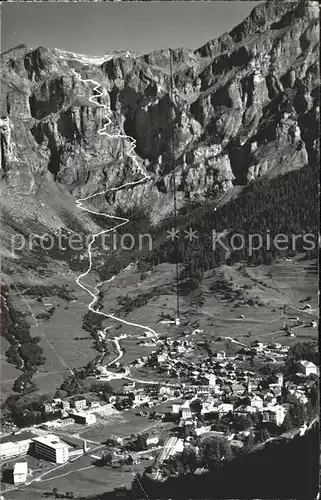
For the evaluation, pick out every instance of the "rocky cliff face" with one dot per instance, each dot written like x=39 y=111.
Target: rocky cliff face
x=243 y=106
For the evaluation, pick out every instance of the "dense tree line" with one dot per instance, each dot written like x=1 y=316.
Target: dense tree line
x=61 y=292
x=24 y=350
x=28 y=409
x=300 y=351
x=287 y=204
x=74 y=384
x=128 y=304
x=304 y=350
x=118 y=258
x=92 y=322
x=25 y=353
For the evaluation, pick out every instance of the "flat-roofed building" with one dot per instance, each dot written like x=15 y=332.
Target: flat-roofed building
x=15 y=445
x=79 y=404
x=59 y=423
x=51 y=448
x=82 y=417
x=63 y=422
x=20 y=473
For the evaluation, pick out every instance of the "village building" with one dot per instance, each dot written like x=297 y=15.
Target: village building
x=48 y=407
x=224 y=409
x=237 y=388
x=129 y=387
x=186 y=411
x=65 y=405
x=94 y=405
x=276 y=389
x=59 y=423
x=307 y=367
x=166 y=390
x=177 y=406
x=209 y=406
x=161 y=358
x=257 y=402
x=83 y=417
x=269 y=398
x=258 y=346
x=78 y=404
x=152 y=440
x=20 y=472
x=203 y=429
x=244 y=410
x=275 y=414
x=140 y=398
x=15 y=445
x=220 y=355
x=280 y=379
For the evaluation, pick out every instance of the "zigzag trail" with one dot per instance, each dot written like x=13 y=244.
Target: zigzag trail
x=94 y=291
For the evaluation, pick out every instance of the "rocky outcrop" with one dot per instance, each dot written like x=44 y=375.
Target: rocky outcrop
x=243 y=106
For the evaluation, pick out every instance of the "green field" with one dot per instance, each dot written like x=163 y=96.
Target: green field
x=66 y=345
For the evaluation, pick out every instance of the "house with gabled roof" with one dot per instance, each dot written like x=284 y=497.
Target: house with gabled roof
x=307 y=367
x=274 y=413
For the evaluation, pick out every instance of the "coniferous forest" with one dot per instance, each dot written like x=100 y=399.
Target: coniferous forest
x=287 y=204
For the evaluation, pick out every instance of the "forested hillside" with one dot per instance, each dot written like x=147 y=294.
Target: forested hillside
x=287 y=204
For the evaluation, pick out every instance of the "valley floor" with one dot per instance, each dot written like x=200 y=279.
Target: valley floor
x=225 y=320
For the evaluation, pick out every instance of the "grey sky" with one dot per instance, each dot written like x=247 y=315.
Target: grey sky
x=97 y=28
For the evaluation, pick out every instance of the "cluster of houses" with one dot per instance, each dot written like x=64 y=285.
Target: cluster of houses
x=195 y=391
x=221 y=387
x=218 y=380
x=73 y=410
x=168 y=359
x=239 y=399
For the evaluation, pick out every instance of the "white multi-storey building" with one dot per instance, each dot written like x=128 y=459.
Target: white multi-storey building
x=15 y=446
x=51 y=448
x=80 y=404
x=20 y=473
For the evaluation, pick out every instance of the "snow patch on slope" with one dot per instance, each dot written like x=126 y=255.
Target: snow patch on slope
x=95 y=60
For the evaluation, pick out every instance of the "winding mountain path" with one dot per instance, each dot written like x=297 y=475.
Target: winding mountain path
x=93 y=291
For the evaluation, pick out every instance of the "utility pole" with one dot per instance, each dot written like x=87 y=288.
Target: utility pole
x=177 y=319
